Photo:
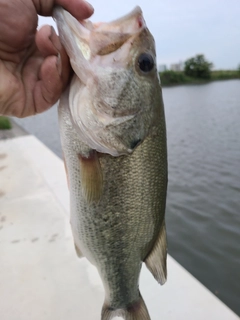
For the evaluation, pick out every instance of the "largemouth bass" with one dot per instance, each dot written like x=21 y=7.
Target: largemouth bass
x=113 y=135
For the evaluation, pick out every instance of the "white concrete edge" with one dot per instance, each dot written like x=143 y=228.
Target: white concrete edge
x=49 y=165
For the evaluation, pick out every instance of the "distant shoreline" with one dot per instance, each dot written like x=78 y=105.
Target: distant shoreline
x=173 y=78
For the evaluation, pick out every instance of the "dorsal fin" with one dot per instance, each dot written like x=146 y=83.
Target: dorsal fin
x=91 y=177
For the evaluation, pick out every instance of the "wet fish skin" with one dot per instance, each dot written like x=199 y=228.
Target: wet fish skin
x=118 y=200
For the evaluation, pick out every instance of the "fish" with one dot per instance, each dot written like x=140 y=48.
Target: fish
x=113 y=136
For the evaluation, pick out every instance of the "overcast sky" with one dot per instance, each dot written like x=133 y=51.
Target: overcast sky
x=184 y=28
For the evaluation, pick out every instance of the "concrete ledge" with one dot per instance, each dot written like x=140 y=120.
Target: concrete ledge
x=40 y=276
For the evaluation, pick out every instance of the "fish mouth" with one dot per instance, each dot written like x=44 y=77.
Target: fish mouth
x=99 y=38
x=109 y=37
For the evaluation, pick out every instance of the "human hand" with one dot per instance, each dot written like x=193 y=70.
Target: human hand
x=34 y=67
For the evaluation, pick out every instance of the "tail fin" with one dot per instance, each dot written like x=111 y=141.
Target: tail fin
x=135 y=311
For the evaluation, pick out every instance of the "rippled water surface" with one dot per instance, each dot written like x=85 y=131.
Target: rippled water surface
x=203 y=211
x=203 y=207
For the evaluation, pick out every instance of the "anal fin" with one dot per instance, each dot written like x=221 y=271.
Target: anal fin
x=156 y=260
x=91 y=177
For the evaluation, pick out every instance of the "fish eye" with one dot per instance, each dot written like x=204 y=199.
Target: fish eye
x=145 y=62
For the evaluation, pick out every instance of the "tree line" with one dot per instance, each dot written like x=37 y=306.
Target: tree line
x=197 y=70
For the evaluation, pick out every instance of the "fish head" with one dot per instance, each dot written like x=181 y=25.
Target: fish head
x=115 y=96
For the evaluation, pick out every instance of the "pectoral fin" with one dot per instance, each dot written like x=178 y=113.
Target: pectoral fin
x=156 y=260
x=91 y=177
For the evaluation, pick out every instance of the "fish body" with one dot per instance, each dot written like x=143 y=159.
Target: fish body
x=113 y=137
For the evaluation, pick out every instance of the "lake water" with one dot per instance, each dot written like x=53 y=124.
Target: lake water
x=203 y=206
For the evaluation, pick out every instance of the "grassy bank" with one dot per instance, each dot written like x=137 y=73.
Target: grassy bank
x=225 y=74
x=5 y=123
x=170 y=78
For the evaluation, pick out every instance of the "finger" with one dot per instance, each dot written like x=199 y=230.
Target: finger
x=79 y=9
x=47 y=41
x=54 y=76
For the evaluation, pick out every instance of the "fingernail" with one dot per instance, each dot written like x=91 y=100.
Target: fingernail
x=89 y=6
x=59 y=64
